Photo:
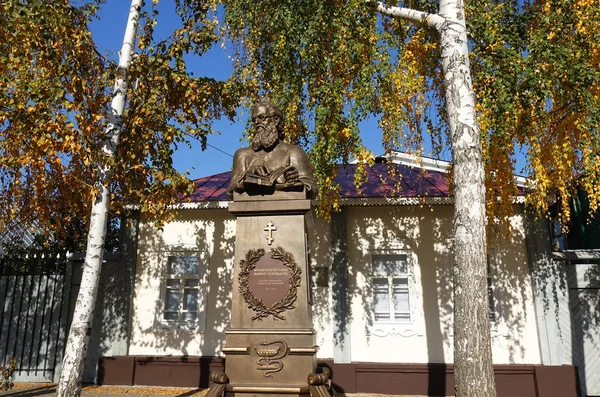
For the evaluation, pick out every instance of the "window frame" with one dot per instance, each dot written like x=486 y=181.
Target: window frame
x=181 y=323
x=408 y=275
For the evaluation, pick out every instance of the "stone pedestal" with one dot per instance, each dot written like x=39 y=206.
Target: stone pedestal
x=270 y=344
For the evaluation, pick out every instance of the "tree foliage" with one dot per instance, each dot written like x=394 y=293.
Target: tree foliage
x=537 y=72
x=51 y=101
x=54 y=100
x=316 y=61
x=330 y=65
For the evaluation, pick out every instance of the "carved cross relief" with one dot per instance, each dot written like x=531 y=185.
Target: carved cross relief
x=270 y=228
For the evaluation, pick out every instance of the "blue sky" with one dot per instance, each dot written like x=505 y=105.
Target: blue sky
x=108 y=34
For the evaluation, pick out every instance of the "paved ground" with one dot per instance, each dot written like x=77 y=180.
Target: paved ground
x=46 y=389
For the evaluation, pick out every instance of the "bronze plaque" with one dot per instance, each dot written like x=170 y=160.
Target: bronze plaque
x=269 y=281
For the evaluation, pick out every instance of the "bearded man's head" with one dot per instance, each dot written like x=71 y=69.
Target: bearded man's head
x=268 y=126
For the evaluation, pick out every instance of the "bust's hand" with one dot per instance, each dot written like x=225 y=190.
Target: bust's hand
x=260 y=170
x=291 y=174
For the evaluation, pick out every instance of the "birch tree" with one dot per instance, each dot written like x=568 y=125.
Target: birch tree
x=55 y=98
x=473 y=370
x=71 y=375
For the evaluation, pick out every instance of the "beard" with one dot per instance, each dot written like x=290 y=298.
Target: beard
x=265 y=137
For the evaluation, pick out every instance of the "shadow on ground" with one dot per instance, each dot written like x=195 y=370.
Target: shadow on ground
x=47 y=389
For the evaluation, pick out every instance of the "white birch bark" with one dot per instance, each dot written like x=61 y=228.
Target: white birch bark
x=473 y=370
x=69 y=384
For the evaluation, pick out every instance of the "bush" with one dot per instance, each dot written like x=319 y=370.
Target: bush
x=6 y=375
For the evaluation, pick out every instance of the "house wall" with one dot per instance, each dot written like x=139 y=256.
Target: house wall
x=320 y=262
x=424 y=233
x=209 y=234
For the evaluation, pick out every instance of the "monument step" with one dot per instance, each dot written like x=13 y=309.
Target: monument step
x=261 y=388
x=272 y=331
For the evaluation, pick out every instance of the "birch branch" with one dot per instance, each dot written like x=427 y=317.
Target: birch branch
x=432 y=20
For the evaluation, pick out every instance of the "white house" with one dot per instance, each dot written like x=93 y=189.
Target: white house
x=381 y=291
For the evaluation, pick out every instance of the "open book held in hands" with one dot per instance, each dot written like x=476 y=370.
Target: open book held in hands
x=265 y=180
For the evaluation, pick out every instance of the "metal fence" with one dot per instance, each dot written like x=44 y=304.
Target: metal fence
x=34 y=305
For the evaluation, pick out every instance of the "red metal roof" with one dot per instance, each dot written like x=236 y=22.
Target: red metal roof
x=211 y=188
x=383 y=180
x=393 y=180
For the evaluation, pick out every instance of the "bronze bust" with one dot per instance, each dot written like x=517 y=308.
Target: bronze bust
x=270 y=164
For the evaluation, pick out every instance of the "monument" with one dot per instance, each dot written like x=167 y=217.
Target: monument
x=270 y=343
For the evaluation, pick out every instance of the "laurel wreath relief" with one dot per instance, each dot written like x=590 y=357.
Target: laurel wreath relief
x=256 y=304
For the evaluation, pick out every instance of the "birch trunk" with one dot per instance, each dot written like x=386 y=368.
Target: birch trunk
x=473 y=369
x=71 y=375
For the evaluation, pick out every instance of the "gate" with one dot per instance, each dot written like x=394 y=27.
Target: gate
x=33 y=314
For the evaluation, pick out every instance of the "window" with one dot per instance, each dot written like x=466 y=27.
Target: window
x=183 y=290
x=557 y=237
x=391 y=281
